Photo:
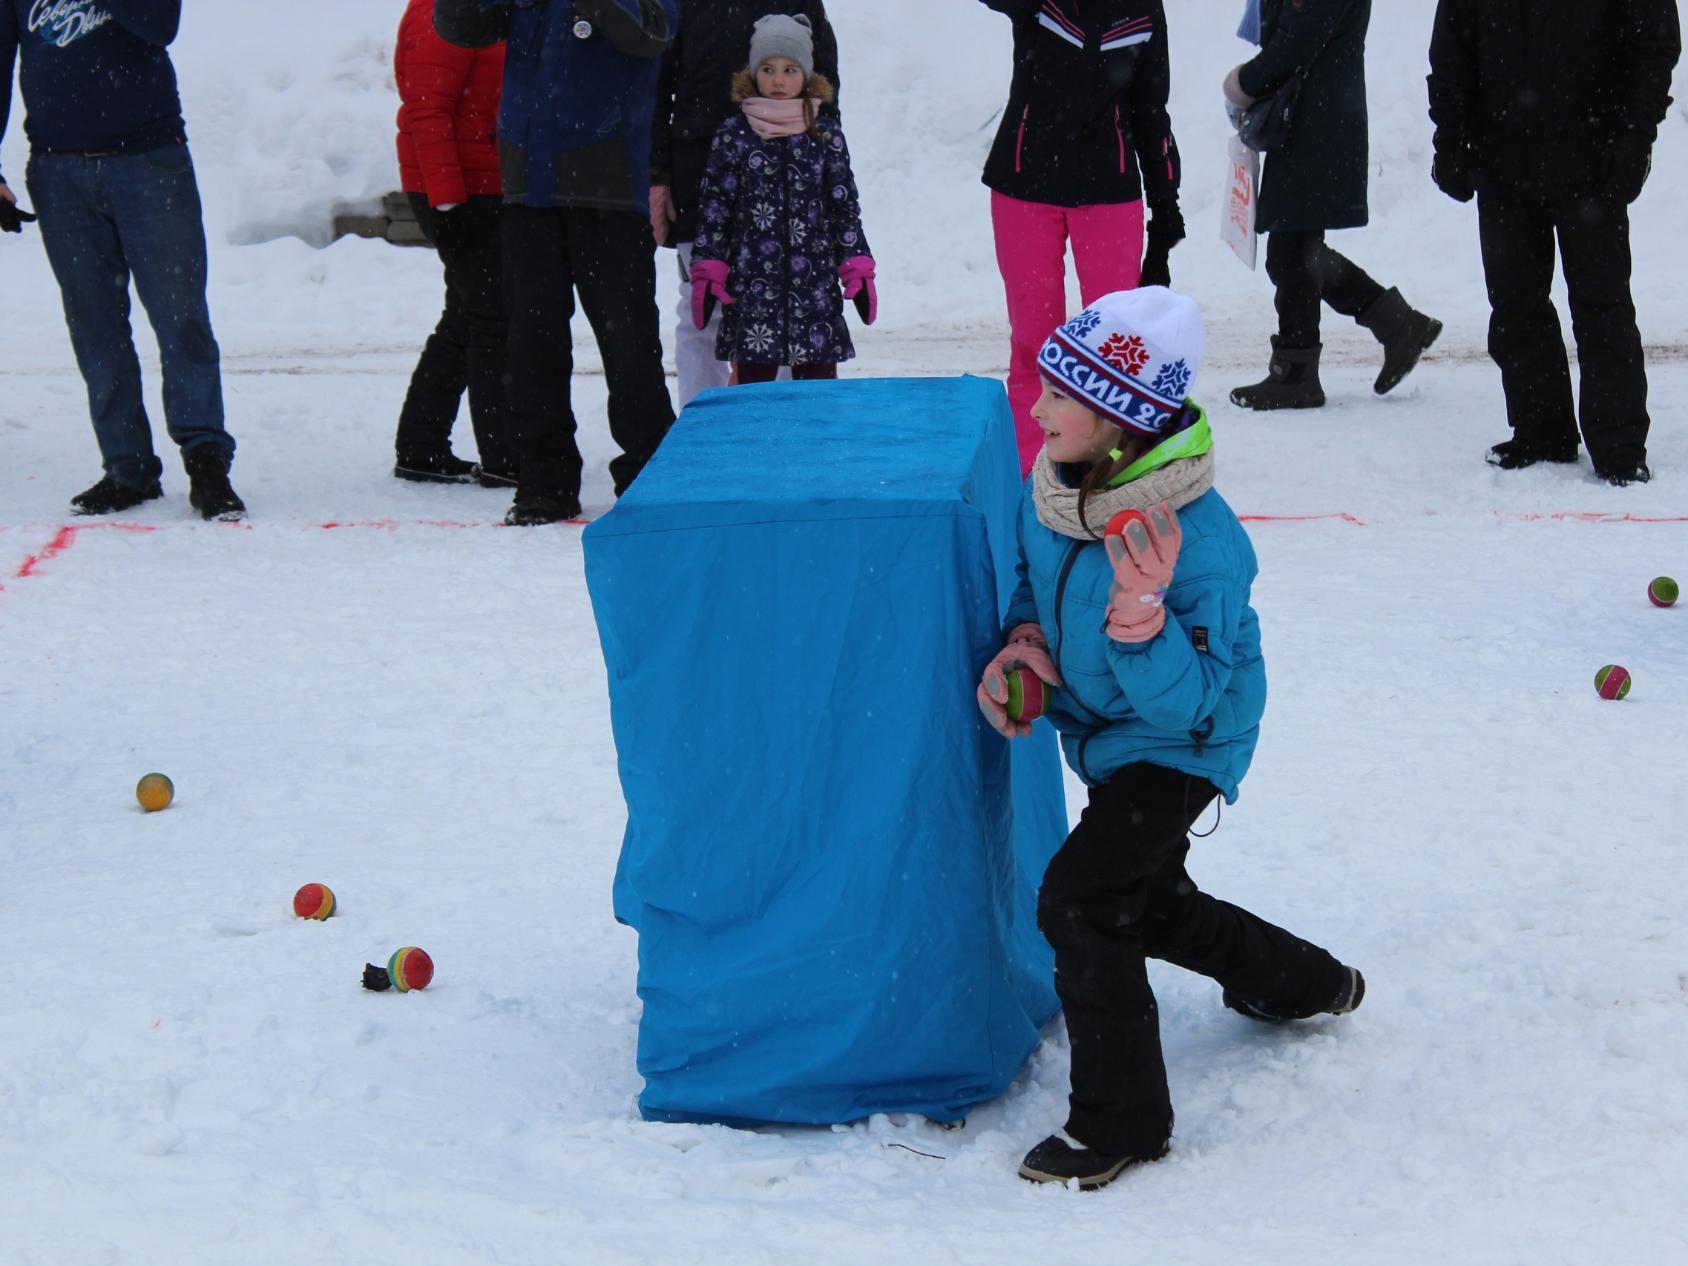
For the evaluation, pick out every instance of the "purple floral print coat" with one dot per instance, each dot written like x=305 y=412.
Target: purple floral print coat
x=782 y=213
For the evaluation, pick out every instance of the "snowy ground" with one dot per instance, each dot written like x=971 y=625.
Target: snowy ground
x=372 y=686
x=411 y=708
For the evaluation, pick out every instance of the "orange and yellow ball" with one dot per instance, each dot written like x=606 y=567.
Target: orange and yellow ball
x=155 y=792
x=314 y=901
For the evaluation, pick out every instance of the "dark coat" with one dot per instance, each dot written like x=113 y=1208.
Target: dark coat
x=1317 y=180
x=1086 y=108
x=574 y=123
x=1536 y=91
x=694 y=94
x=783 y=213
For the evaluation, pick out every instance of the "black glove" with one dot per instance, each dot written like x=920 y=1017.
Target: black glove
x=1628 y=161
x=1451 y=170
x=1166 y=230
x=13 y=217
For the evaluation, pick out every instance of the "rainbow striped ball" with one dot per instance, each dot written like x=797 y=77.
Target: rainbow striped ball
x=1663 y=592
x=314 y=901
x=410 y=968
x=1612 y=681
x=1027 y=696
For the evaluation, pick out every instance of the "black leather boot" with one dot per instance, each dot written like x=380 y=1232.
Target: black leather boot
x=208 y=484
x=1404 y=332
x=1291 y=382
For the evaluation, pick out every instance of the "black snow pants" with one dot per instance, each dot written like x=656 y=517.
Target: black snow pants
x=1117 y=894
x=1517 y=231
x=609 y=258
x=466 y=350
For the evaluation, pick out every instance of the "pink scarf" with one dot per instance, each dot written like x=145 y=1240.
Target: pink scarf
x=776 y=117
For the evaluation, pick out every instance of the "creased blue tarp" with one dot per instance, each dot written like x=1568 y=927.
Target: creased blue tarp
x=833 y=892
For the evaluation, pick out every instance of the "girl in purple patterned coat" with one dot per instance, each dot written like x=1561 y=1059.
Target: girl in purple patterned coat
x=780 y=242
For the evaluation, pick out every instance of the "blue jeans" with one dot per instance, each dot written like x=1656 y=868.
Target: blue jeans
x=103 y=221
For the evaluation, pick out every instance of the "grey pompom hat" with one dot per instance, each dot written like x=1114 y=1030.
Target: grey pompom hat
x=780 y=36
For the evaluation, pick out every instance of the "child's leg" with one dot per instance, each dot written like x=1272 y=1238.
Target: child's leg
x=748 y=371
x=1095 y=894
x=1031 y=252
x=813 y=373
x=1107 y=247
x=1257 y=961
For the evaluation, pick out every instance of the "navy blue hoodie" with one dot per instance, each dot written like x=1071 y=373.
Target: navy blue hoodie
x=95 y=75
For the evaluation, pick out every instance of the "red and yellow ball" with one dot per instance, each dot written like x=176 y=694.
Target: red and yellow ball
x=314 y=901
x=1028 y=696
x=410 y=968
x=1663 y=592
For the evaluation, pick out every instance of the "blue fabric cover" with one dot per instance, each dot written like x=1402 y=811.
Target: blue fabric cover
x=834 y=888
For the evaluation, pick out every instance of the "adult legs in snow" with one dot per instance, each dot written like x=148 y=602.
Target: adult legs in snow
x=1517 y=234
x=103 y=221
x=1031 y=253
x=1117 y=894
x=609 y=256
x=1305 y=273
x=465 y=353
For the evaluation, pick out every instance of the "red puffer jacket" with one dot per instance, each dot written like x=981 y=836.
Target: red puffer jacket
x=449 y=116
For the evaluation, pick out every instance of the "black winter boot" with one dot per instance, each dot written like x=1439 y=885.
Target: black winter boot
x=1062 y=1158
x=1291 y=382
x=434 y=468
x=1404 y=332
x=208 y=484
x=1516 y=454
x=1348 y=998
x=532 y=510
x=108 y=497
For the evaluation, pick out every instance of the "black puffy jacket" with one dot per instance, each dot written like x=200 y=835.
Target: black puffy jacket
x=1535 y=91
x=1086 y=108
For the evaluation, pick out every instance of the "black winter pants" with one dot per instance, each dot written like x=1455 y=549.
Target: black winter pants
x=466 y=349
x=1306 y=272
x=1117 y=894
x=609 y=258
x=1517 y=231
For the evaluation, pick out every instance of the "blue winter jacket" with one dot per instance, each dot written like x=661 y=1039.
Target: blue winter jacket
x=1190 y=698
x=95 y=74
x=574 y=120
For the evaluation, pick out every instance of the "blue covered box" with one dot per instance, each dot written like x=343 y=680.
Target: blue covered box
x=831 y=865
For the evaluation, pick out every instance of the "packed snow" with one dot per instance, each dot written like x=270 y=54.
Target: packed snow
x=371 y=686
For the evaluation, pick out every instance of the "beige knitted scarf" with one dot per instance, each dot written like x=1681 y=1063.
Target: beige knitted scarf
x=1178 y=483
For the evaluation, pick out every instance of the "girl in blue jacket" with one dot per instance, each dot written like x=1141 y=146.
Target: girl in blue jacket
x=1153 y=655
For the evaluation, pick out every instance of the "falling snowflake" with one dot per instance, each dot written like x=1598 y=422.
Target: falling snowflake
x=1124 y=353
x=1173 y=380
x=1083 y=323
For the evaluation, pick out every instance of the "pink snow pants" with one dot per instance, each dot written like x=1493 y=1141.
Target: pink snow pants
x=1031 y=251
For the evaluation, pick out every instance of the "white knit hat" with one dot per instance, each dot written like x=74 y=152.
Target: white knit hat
x=1131 y=356
x=780 y=36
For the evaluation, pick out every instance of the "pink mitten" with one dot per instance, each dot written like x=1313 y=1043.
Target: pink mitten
x=1143 y=558
x=709 y=283
x=1026 y=649
x=857 y=275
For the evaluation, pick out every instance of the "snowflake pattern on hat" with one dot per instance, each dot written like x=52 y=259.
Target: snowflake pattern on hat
x=1131 y=356
x=1124 y=353
x=1173 y=379
x=1083 y=323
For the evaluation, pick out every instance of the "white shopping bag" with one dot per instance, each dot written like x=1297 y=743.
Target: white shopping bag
x=1242 y=182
